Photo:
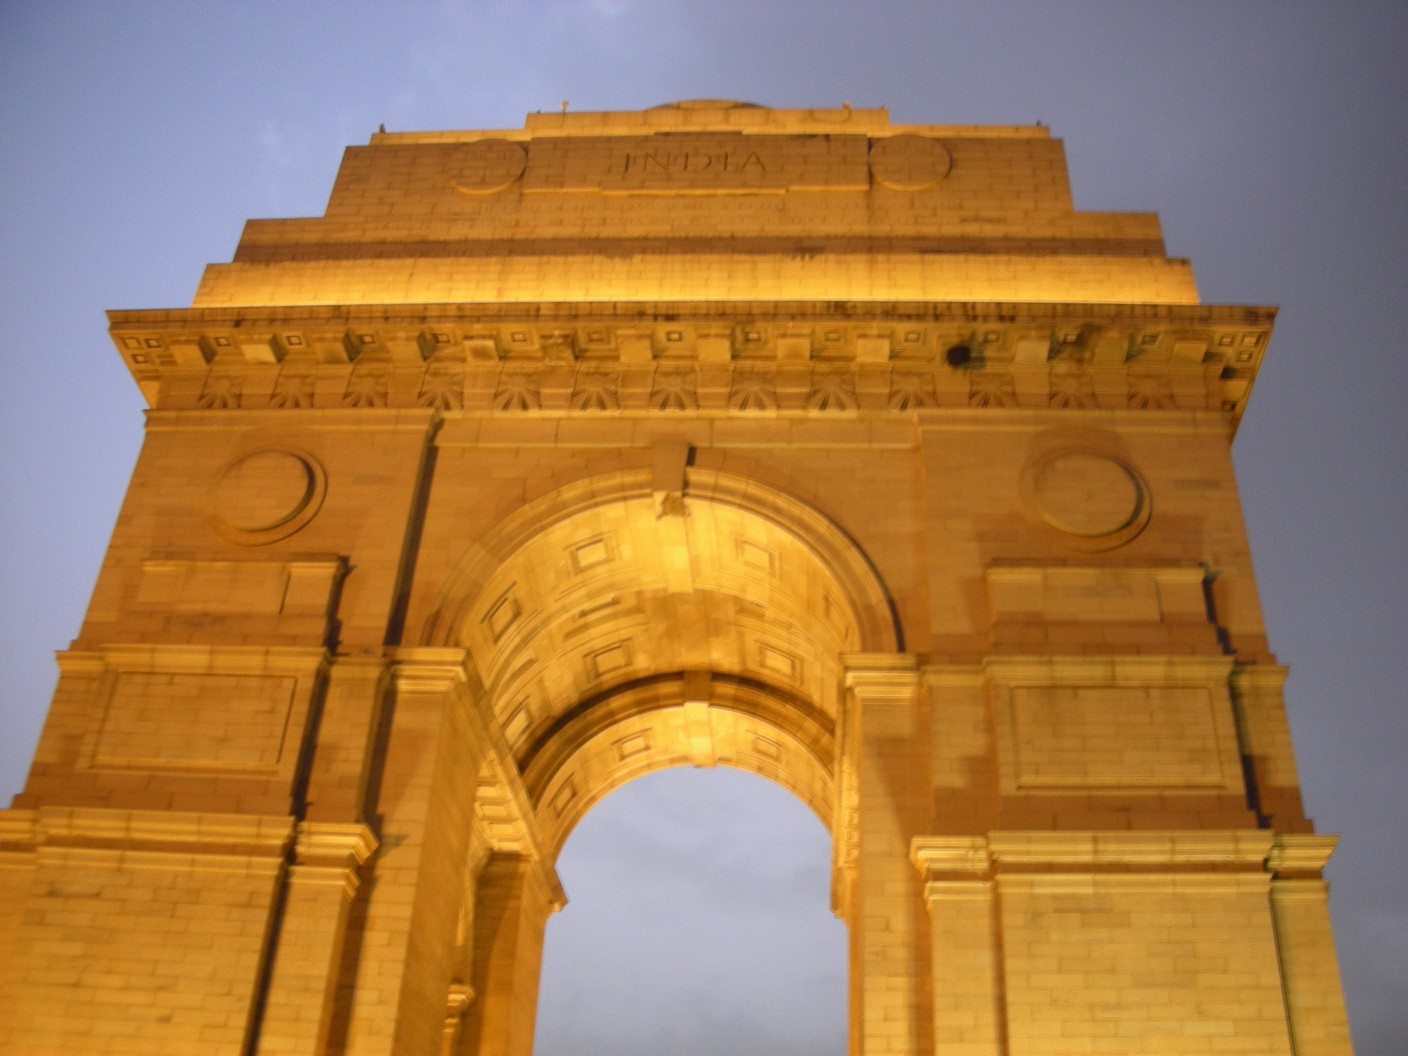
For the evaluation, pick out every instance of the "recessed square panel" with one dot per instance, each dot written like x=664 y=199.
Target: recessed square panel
x=517 y=721
x=563 y=797
x=766 y=746
x=502 y=615
x=779 y=662
x=755 y=556
x=633 y=745
x=608 y=661
x=591 y=553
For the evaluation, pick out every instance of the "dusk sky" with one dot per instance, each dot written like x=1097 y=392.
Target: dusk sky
x=1270 y=137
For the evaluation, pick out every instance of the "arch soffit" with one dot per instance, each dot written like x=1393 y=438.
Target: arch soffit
x=521 y=610
x=872 y=611
x=677 y=719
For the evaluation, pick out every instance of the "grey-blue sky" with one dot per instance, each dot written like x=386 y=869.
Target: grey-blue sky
x=686 y=885
x=1270 y=137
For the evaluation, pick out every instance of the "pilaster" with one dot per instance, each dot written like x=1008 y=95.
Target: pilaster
x=884 y=762
x=403 y=924
x=515 y=897
x=320 y=882
x=969 y=1018
x=1306 y=946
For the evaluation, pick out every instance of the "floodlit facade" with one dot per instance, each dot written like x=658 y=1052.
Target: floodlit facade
x=843 y=452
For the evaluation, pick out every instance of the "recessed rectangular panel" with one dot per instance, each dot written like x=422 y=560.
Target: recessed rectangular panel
x=517 y=721
x=632 y=745
x=755 y=555
x=165 y=721
x=589 y=553
x=563 y=797
x=606 y=661
x=766 y=746
x=1110 y=736
x=779 y=662
x=502 y=615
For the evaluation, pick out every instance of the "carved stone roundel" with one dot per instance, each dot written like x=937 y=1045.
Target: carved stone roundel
x=266 y=495
x=909 y=163
x=1088 y=495
x=487 y=166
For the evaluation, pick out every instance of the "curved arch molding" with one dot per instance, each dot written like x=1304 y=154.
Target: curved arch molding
x=615 y=630
x=873 y=614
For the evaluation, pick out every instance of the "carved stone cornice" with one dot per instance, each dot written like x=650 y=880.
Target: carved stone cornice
x=725 y=357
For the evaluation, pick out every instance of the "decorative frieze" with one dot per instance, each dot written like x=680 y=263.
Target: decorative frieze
x=453 y=358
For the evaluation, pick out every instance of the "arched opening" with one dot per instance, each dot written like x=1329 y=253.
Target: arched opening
x=698 y=922
x=612 y=630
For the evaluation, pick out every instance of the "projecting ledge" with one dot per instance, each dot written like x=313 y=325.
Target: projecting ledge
x=1301 y=853
x=190 y=832
x=1098 y=851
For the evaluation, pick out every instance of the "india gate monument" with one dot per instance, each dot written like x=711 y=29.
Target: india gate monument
x=843 y=452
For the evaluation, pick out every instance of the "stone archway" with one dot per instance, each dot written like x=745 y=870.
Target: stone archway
x=617 y=627
x=698 y=623
x=301 y=711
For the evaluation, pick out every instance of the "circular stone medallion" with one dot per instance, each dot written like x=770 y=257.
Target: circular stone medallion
x=487 y=166
x=1090 y=496
x=909 y=162
x=266 y=495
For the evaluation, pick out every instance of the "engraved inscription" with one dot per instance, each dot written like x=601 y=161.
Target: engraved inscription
x=698 y=163
x=692 y=162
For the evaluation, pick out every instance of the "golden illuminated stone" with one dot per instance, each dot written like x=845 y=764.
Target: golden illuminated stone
x=847 y=453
